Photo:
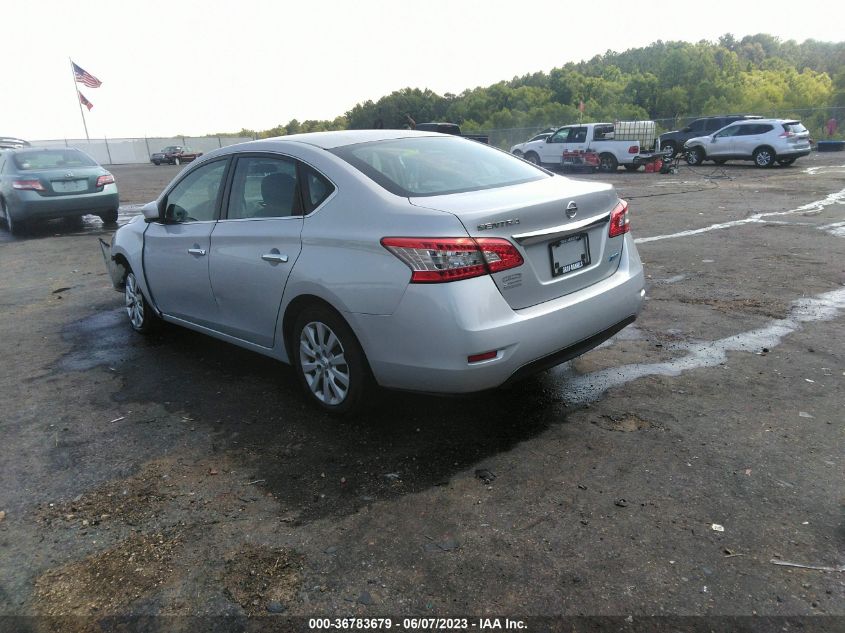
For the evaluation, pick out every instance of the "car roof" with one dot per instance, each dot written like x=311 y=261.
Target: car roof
x=331 y=140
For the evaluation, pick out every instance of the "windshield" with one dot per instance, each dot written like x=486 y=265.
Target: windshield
x=432 y=165
x=52 y=159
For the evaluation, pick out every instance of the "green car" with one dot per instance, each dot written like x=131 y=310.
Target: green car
x=42 y=184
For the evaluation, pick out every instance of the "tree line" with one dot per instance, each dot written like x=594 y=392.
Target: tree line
x=665 y=80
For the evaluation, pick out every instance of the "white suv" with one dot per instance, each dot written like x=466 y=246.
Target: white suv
x=765 y=141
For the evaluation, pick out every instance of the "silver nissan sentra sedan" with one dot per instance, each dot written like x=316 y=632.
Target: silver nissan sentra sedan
x=409 y=260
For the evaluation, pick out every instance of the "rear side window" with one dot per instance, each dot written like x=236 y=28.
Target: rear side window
x=795 y=127
x=52 y=159
x=432 y=166
x=264 y=187
x=318 y=188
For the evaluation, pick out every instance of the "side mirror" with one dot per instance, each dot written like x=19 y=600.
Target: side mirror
x=687 y=129
x=713 y=138
x=151 y=211
x=548 y=139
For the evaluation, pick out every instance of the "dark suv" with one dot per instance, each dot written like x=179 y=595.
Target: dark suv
x=700 y=127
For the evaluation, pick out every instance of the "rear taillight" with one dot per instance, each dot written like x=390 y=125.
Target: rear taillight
x=31 y=184
x=619 y=222
x=439 y=259
x=787 y=134
x=634 y=149
x=105 y=179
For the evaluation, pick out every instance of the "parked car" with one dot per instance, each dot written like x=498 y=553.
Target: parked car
x=10 y=142
x=41 y=184
x=765 y=141
x=519 y=148
x=671 y=142
x=174 y=155
x=404 y=259
x=604 y=146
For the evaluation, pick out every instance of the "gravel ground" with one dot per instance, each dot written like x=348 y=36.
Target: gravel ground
x=676 y=470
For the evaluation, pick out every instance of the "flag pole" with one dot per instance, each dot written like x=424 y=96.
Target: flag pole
x=81 y=113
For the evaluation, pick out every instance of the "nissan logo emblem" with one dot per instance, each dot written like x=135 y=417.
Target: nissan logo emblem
x=571 y=210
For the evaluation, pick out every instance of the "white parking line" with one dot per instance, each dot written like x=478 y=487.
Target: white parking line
x=758 y=218
x=580 y=389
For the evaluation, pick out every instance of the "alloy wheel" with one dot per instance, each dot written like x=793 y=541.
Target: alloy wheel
x=323 y=363
x=134 y=302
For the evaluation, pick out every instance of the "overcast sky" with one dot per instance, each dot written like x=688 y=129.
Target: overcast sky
x=197 y=67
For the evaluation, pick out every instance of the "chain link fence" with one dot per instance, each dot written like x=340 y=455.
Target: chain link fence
x=127 y=151
x=823 y=123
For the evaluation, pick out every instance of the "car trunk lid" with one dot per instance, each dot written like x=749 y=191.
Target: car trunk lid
x=65 y=182
x=560 y=227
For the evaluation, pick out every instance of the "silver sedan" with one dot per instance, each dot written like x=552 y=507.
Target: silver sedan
x=408 y=260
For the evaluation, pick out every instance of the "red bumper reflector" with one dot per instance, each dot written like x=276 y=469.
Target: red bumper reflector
x=477 y=358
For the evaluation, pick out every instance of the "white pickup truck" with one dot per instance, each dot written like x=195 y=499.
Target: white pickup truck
x=603 y=145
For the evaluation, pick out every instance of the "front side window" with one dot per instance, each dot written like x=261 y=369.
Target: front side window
x=52 y=159
x=560 y=136
x=194 y=198
x=734 y=130
x=433 y=166
x=264 y=187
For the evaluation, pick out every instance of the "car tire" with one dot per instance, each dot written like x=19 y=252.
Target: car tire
x=785 y=162
x=14 y=227
x=142 y=318
x=532 y=157
x=669 y=149
x=177 y=161
x=632 y=167
x=695 y=156
x=109 y=217
x=156 y=163
x=764 y=157
x=517 y=153
x=329 y=361
x=608 y=163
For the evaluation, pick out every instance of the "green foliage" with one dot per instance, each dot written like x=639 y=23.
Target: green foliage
x=665 y=80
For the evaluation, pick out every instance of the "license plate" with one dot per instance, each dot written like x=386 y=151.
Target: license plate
x=69 y=186
x=569 y=254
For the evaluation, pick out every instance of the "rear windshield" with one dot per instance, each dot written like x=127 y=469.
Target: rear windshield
x=434 y=165
x=52 y=159
x=796 y=127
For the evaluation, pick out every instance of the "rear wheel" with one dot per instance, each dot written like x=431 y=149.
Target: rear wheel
x=109 y=217
x=608 y=163
x=695 y=156
x=785 y=162
x=532 y=157
x=764 y=157
x=14 y=227
x=669 y=149
x=329 y=361
x=141 y=315
x=177 y=161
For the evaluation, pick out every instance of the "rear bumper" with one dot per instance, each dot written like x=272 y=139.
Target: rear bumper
x=425 y=343
x=796 y=153
x=29 y=205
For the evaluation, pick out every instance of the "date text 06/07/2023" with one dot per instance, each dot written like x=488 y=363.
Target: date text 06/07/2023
x=416 y=624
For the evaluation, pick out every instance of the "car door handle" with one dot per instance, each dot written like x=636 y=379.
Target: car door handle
x=196 y=251
x=275 y=258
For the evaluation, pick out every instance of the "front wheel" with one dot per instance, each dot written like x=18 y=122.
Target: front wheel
x=669 y=149
x=156 y=163
x=517 y=153
x=141 y=315
x=764 y=157
x=695 y=156
x=177 y=161
x=329 y=361
x=532 y=157
x=785 y=162
x=608 y=163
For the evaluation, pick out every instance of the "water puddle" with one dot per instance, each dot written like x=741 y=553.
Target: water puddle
x=100 y=339
x=581 y=389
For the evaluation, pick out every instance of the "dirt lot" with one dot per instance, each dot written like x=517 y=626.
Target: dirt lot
x=674 y=471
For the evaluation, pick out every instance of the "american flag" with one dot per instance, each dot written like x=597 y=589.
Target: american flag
x=84 y=101
x=85 y=77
